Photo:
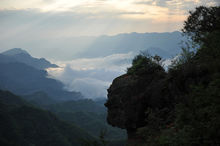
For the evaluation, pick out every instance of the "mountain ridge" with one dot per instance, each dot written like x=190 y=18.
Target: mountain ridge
x=20 y=55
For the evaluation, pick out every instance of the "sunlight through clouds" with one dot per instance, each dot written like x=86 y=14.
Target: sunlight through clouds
x=97 y=5
x=93 y=17
x=128 y=9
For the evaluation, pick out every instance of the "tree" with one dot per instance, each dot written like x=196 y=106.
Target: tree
x=201 y=22
x=145 y=64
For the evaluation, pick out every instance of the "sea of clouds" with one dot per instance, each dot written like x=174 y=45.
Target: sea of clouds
x=91 y=76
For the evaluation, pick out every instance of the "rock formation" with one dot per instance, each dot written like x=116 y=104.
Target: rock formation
x=132 y=94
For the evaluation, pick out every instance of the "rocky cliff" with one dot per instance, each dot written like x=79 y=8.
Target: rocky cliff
x=132 y=95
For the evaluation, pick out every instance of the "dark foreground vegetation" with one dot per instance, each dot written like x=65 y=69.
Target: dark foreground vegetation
x=178 y=107
x=24 y=124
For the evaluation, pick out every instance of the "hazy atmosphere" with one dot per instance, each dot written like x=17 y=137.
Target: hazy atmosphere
x=87 y=38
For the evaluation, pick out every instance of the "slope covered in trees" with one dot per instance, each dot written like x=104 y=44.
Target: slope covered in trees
x=22 y=124
x=89 y=116
x=177 y=107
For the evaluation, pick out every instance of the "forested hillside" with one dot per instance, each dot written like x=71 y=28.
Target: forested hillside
x=89 y=116
x=22 y=124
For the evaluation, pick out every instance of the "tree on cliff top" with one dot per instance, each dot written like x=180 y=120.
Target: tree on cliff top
x=145 y=63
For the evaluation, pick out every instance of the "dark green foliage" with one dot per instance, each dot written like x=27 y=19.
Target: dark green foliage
x=25 y=125
x=199 y=27
x=92 y=123
x=202 y=21
x=196 y=116
x=87 y=114
x=144 y=63
x=197 y=120
x=29 y=125
x=184 y=57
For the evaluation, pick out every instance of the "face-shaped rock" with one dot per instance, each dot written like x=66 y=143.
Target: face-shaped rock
x=124 y=103
x=130 y=96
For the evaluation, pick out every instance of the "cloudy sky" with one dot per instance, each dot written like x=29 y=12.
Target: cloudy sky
x=43 y=27
x=47 y=18
x=37 y=24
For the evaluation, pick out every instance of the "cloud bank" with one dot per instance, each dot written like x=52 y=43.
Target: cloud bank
x=91 y=76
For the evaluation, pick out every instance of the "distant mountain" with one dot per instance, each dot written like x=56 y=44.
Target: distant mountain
x=163 y=44
x=15 y=51
x=22 y=56
x=23 y=79
x=23 y=124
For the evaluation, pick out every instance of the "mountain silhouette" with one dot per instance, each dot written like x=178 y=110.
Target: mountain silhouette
x=26 y=78
x=22 y=56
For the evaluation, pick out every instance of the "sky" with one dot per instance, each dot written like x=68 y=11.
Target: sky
x=47 y=18
x=43 y=27
x=37 y=24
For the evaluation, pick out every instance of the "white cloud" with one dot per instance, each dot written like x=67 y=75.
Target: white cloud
x=89 y=87
x=91 y=76
x=111 y=62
